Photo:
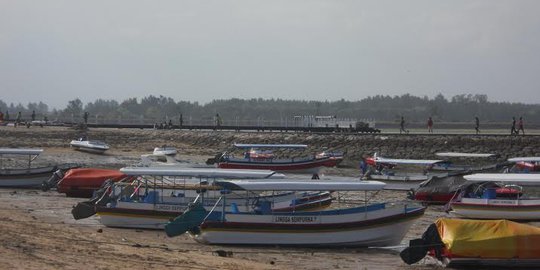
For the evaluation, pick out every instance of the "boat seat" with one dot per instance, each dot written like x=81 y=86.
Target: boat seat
x=152 y=197
x=263 y=208
x=234 y=208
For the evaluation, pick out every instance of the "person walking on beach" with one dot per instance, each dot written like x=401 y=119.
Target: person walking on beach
x=430 y=125
x=85 y=117
x=218 y=121
x=477 y=125
x=513 y=129
x=33 y=115
x=520 y=125
x=18 y=119
x=402 y=126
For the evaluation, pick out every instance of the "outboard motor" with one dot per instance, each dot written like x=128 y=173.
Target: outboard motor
x=53 y=180
x=88 y=208
x=215 y=159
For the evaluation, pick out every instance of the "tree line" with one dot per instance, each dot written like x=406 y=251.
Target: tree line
x=459 y=108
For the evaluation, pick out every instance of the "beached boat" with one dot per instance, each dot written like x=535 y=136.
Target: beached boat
x=477 y=243
x=524 y=164
x=91 y=146
x=256 y=158
x=26 y=176
x=382 y=169
x=449 y=166
x=165 y=150
x=158 y=195
x=81 y=182
x=370 y=224
x=489 y=200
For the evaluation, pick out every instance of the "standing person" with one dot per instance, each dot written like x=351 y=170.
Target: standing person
x=181 y=120
x=477 y=125
x=218 y=120
x=18 y=119
x=513 y=129
x=85 y=116
x=33 y=115
x=7 y=116
x=402 y=126
x=430 y=125
x=520 y=125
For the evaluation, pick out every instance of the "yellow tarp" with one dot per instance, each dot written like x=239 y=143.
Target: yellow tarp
x=501 y=239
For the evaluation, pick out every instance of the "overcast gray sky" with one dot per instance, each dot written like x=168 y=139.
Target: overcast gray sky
x=55 y=51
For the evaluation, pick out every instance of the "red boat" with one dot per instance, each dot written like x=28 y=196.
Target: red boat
x=83 y=182
x=307 y=164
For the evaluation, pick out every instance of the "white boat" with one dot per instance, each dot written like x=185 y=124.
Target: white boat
x=92 y=146
x=489 y=201
x=153 y=196
x=25 y=176
x=382 y=169
x=467 y=167
x=369 y=224
x=165 y=150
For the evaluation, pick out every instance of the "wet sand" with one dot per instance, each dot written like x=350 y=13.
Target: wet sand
x=38 y=231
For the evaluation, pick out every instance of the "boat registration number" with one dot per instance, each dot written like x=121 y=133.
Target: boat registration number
x=292 y=219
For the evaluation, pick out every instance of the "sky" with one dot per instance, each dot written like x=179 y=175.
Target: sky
x=55 y=51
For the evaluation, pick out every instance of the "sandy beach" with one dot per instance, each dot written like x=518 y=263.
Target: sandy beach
x=38 y=231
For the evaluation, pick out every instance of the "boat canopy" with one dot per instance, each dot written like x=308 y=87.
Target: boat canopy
x=244 y=145
x=408 y=161
x=466 y=155
x=524 y=159
x=20 y=151
x=503 y=177
x=301 y=185
x=201 y=172
x=488 y=239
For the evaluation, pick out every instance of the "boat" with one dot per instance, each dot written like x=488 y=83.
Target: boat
x=382 y=169
x=367 y=224
x=91 y=146
x=477 y=243
x=26 y=176
x=524 y=164
x=255 y=158
x=491 y=200
x=449 y=166
x=81 y=182
x=165 y=150
x=153 y=196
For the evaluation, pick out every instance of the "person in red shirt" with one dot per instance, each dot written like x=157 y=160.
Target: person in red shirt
x=430 y=125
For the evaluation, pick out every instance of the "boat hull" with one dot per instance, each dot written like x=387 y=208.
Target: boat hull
x=22 y=178
x=156 y=216
x=497 y=209
x=308 y=166
x=380 y=228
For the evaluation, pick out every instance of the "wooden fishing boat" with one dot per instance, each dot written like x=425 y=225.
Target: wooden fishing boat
x=91 y=146
x=26 y=176
x=82 y=182
x=477 y=243
x=524 y=164
x=449 y=166
x=382 y=169
x=153 y=196
x=256 y=159
x=370 y=224
x=484 y=202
